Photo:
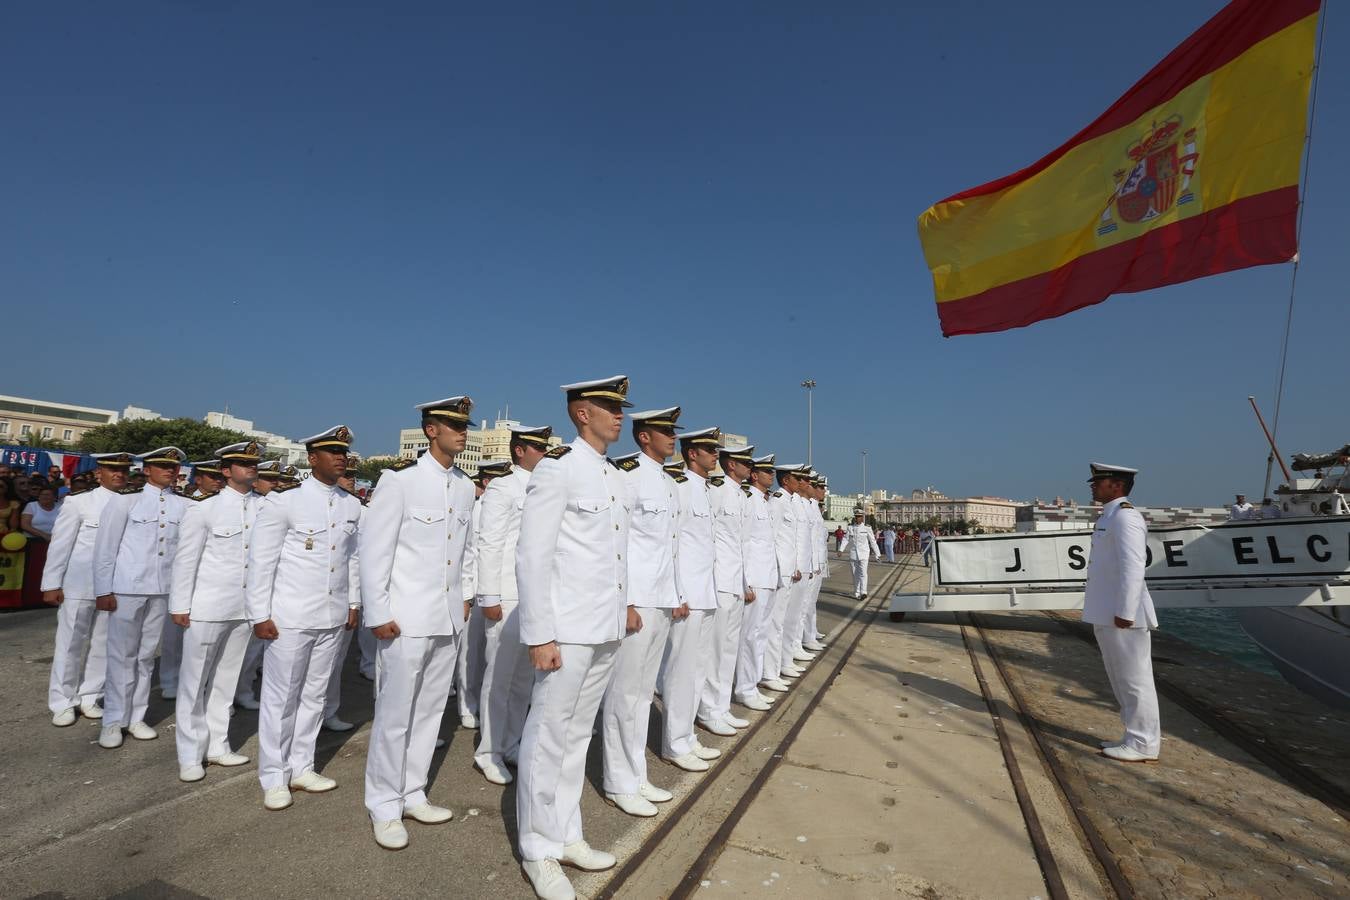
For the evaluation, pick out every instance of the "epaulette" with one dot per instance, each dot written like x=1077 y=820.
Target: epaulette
x=626 y=465
x=679 y=479
x=401 y=465
x=195 y=499
x=745 y=489
x=131 y=490
x=558 y=452
x=716 y=480
x=778 y=493
x=1127 y=505
x=282 y=488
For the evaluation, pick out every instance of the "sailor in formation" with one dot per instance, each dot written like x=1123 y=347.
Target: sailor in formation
x=783 y=515
x=269 y=477
x=416 y=539
x=79 y=659
x=729 y=498
x=332 y=704
x=1117 y=604
x=133 y=562
x=572 y=578
x=861 y=546
x=507 y=673
x=299 y=599
x=206 y=604
x=652 y=601
x=820 y=560
x=473 y=639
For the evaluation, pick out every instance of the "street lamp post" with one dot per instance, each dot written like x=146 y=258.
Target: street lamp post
x=809 y=384
x=864 y=460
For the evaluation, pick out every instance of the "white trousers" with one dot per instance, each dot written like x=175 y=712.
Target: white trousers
x=412 y=686
x=628 y=702
x=369 y=645
x=333 y=696
x=553 y=748
x=808 y=629
x=772 y=665
x=80 y=657
x=792 y=621
x=507 y=680
x=294 y=686
x=684 y=680
x=134 y=630
x=212 y=655
x=859 y=576
x=170 y=655
x=469 y=666
x=1126 y=653
x=889 y=550
x=719 y=657
x=248 y=673
x=754 y=640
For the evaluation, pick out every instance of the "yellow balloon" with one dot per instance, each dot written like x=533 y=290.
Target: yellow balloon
x=14 y=541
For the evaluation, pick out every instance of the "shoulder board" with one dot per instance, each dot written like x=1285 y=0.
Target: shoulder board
x=401 y=465
x=626 y=465
x=745 y=489
x=778 y=493
x=131 y=490
x=716 y=480
x=679 y=479
x=558 y=452
x=1127 y=505
x=195 y=498
x=283 y=488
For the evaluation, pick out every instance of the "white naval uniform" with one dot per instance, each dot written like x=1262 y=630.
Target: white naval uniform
x=209 y=578
x=1115 y=588
x=800 y=591
x=682 y=685
x=1238 y=512
x=133 y=559
x=507 y=674
x=718 y=669
x=333 y=697
x=861 y=545
x=299 y=578
x=416 y=545
x=572 y=577
x=79 y=659
x=819 y=566
x=652 y=549
x=472 y=639
x=760 y=558
x=785 y=516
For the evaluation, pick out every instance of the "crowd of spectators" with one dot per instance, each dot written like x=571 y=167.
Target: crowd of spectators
x=29 y=505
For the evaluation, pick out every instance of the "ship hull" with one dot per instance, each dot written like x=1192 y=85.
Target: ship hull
x=1310 y=647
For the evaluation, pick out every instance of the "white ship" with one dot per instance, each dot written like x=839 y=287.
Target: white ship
x=1309 y=645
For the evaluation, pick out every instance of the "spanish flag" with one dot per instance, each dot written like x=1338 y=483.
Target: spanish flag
x=1194 y=171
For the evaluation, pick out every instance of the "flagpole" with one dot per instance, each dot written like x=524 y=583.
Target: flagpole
x=1298 y=240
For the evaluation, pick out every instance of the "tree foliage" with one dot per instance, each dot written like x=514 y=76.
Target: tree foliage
x=370 y=469
x=197 y=439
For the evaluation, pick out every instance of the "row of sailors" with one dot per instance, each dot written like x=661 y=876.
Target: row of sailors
x=595 y=583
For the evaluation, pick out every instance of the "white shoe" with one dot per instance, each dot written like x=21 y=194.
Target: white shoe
x=110 y=738
x=247 y=702
x=633 y=804
x=228 y=759
x=777 y=685
x=191 y=773
x=312 y=782
x=390 y=835
x=583 y=856
x=802 y=656
x=468 y=720
x=91 y=710
x=333 y=723
x=706 y=753
x=141 y=731
x=277 y=798
x=689 y=762
x=428 y=814
x=756 y=703
x=653 y=794
x=64 y=718
x=735 y=721
x=717 y=726
x=820 y=636
x=1124 y=753
x=1105 y=744
x=168 y=693
x=495 y=774
x=547 y=879
x=814 y=646
x=790 y=674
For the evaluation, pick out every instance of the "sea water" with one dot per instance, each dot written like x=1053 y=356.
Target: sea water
x=1217 y=630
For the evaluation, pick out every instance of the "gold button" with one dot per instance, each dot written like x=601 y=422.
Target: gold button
x=332 y=569
x=161 y=553
x=616 y=527
x=620 y=556
x=161 y=524
x=449 y=562
x=332 y=547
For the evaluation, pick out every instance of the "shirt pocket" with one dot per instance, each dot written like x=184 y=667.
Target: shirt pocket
x=589 y=506
x=310 y=535
x=349 y=528
x=225 y=532
x=426 y=515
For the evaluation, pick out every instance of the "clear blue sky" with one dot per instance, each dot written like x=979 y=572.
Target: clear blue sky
x=323 y=213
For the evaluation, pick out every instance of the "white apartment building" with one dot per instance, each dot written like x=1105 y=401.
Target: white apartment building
x=484 y=444
x=290 y=452
x=929 y=504
x=22 y=418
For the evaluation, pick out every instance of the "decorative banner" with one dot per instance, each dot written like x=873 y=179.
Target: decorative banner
x=31 y=460
x=1260 y=550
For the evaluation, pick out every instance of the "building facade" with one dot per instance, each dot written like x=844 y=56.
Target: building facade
x=22 y=419
x=1060 y=515
x=929 y=505
x=484 y=444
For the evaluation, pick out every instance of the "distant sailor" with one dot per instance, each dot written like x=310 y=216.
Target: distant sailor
x=1117 y=603
x=416 y=538
x=507 y=673
x=760 y=559
x=133 y=564
x=206 y=604
x=79 y=660
x=573 y=579
x=298 y=598
x=1240 y=509
x=861 y=546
